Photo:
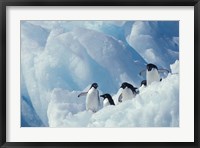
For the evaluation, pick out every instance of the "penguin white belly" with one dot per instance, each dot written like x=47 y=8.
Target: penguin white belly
x=152 y=76
x=127 y=94
x=92 y=100
x=105 y=103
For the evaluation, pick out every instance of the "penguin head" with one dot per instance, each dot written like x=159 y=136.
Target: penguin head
x=124 y=85
x=95 y=85
x=104 y=96
x=151 y=66
x=128 y=85
x=144 y=82
x=108 y=96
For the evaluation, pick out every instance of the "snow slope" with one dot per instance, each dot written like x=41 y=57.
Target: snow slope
x=156 y=106
x=61 y=58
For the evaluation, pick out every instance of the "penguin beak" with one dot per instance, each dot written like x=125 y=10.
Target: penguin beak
x=149 y=68
x=102 y=97
x=122 y=87
x=95 y=86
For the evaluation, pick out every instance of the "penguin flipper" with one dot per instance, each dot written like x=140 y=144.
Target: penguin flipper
x=120 y=98
x=82 y=94
x=142 y=73
x=137 y=91
x=163 y=71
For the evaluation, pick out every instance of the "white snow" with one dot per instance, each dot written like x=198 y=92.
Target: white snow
x=156 y=106
x=175 y=67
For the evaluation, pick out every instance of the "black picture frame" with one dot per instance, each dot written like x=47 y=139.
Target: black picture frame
x=5 y=3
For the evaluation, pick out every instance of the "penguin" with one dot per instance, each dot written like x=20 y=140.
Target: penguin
x=92 y=98
x=152 y=74
x=128 y=92
x=107 y=100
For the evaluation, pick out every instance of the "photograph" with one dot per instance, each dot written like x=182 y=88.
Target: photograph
x=99 y=73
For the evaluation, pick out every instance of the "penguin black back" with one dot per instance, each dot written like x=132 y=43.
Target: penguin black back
x=108 y=96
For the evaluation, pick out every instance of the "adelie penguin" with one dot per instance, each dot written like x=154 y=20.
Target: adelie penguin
x=153 y=73
x=128 y=92
x=107 y=100
x=92 y=98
